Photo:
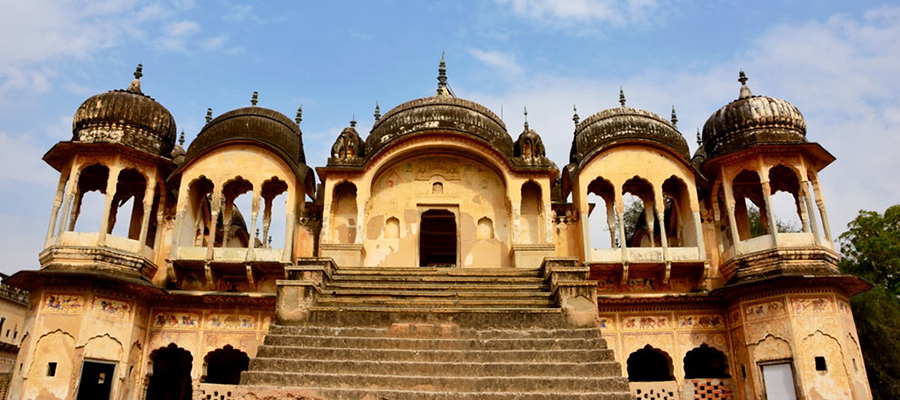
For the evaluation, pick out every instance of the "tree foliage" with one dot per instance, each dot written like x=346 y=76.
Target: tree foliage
x=871 y=250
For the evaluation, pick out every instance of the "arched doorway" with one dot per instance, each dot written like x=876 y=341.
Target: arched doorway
x=705 y=362
x=224 y=366
x=437 y=239
x=649 y=365
x=171 y=379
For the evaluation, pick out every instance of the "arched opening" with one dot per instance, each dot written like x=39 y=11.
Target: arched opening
x=637 y=197
x=171 y=379
x=679 y=220
x=130 y=190
x=530 y=224
x=343 y=227
x=705 y=362
x=90 y=199
x=786 y=200
x=485 y=229
x=274 y=224
x=437 y=239
x=392 y=228
x=649 y=364
x=198 y=213
x=224 y=366
x=602 y=222
x=750 y=211
x=238 y=195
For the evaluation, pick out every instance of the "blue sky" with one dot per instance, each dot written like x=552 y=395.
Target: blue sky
x=837 y=61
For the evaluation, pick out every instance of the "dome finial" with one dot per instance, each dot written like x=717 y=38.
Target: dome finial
x=181 y=139
x=526 y=118
x=254 y=99
x=674 y=117
x=745 y=91
x=299 y=117
x=575 y=115
x=135 y=86
x=621 y=96
x=699 y=138
x=353 y=121
x=208 y=115
x=377 y=111
x=442 y=76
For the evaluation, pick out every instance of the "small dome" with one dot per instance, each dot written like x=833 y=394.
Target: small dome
x=269 y=128
x=752 y=120
x=440 y=113
x=624 y=125
x=128 y=117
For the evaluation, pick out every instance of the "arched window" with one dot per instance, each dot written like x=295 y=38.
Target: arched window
x=531 y=213
x=224 y=366
x=344 y=211
x=274 y=197
x=238 y=194
x=89 y=199
x=705 y=362
x=786 y=200
x=171 y=379
x=602 y=222
x=639 y=218
x=129 y=197
x=649 y=364
x=750 y=211
x=197 y=221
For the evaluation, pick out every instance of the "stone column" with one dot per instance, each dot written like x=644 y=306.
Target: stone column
x=290 y=222
x=148 y=208
x=770 y=213
x=729 y=202
x=254 y=213
x=57 y=201
x=814 y=225
x=111 y=182
x=820 y=202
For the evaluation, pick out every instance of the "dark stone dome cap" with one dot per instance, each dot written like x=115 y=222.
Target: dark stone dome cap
x=623 y=125
x=127 y=117
x=440 y=113
x=264 y=126
x=752 y=120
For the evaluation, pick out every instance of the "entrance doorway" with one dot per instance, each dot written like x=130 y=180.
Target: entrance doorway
x=171 y=379
x=437 y=239
x=96 y=380
x=779 y=381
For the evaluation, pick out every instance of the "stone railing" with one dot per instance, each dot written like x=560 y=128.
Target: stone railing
x=571 y=289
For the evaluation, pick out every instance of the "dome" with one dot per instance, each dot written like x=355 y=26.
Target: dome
x=128 y=117
x=264 y=126
x=442 y=113
x=752 y=120
x=625 y=125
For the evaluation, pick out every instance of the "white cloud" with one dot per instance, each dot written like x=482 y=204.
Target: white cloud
x=504 y=63
x=568 y=13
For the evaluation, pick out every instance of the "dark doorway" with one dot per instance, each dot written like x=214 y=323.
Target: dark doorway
x=96 y=380
x=171 y=379
x=437 y=239
x=705 y=362
x=224 y=365
x=649 y=365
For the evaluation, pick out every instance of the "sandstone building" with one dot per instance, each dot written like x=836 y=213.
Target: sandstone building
x=437 y=258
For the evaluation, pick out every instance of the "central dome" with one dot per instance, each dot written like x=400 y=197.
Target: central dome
x=442 y=113
x=623 y=125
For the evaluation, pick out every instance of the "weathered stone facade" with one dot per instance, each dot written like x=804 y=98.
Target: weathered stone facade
x=694 y=293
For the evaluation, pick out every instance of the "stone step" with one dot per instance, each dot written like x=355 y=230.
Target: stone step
x=406 y=292
x=449 y=356
x=464 y=317
x=537 y=383
x=421 y=302
x=381 y=367
x=411 y=343
x=451 y=331
x=383 y=394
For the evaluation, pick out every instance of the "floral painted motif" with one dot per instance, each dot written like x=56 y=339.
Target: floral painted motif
x=64 y=303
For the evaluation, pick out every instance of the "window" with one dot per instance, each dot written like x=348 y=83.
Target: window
x=820 y=364
x=51 y=369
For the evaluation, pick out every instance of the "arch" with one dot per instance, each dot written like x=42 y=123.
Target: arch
x=485 y=229
x=531 y=211
x=638 y=219
x=602 y=221
x=274 y=229
x=170 y=377
x=224 y=365
x=649 y=364
x=131 y=186
x=344 y=213
x=705 y=362
x=750 y=211
x=199 y=213
x=679 y=219
x=786 y=199
x=237 y=194
x=92 y=178
x=392 y=228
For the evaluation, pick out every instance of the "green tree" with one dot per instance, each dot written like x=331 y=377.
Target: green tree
x=871 y=250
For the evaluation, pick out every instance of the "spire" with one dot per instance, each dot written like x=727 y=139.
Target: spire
x=526 y=118
x=135 y=86
x=181 y=139
x=299 y=117
x=254 y=99
x=674 y=117
x=442 y=77
x=745 y=91
x=621 y=96
x=353 y=121
x=699 y=138
x=575 y=117
x=208 y=115
x=377 y=111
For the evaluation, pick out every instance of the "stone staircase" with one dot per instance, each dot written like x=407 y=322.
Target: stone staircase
x=432 y=333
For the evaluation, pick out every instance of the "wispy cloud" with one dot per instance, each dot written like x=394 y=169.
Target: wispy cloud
x=504 y=63
x=615 y=13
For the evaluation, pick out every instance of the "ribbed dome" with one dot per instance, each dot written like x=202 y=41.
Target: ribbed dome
x=128 y=117
x=269 y=128
x=441 y=113
x=751 y=120
x=621 y=125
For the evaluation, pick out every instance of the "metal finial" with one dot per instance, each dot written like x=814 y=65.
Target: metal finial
x=255 y=99
x=745 y=90
x=442 y=76
x=526 y=118
x=135 y=86
x=270 y=242
x=699 y=139
x=299 y=117
x=181 y=139
x=575 y=117
x=208 y=115
x=674 y=117
x=377 y=111
x=353 y=121
x=139 y=71
x=621 y=96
